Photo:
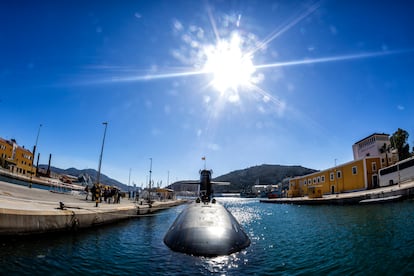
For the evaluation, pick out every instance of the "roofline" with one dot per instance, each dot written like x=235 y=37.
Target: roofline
x=10 y=143
x=374 y=134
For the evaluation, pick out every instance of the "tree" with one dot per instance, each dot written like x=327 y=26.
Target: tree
x=399 y=141
x=386 y=149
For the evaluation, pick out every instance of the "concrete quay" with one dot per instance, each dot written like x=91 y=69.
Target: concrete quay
x=26 y=210
x=398 y=192
x=7 y=176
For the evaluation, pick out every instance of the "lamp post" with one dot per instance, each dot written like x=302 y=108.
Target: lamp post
x=100 y=158
x=34 y=154
x=98 y=178
x=336 y=178
x=149 y=192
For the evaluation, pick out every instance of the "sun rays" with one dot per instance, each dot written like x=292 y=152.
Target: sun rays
x=224 y=56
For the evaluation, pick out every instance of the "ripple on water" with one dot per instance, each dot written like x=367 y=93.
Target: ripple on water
x=285 y=240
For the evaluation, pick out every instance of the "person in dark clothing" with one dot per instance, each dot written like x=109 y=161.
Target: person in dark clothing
x=118 y=197
x=87 y=192
x=93 y=189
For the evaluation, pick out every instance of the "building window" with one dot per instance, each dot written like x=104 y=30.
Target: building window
x=322 y=178
x=331 y=176
x=305 y=182
x=354 y=170
x=338 y=174
x=319 y=179
x=314 y=180
x=374 y=166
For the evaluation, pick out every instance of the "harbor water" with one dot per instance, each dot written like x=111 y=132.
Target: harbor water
x=286 y=240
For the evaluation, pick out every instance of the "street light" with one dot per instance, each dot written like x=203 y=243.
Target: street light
x=34 y=154
x=149 y=192
x=98 y=178
x=100 y=158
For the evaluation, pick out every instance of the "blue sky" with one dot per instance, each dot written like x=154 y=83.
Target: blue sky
x=314 y=78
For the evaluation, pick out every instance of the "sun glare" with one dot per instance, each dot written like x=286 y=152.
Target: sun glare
x=231 y=69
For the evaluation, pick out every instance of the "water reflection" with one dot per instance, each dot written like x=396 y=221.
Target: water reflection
x=223 y=264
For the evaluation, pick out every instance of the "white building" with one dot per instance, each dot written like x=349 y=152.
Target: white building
x=377 y=144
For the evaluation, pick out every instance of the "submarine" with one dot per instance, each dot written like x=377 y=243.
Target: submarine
x=205 y=227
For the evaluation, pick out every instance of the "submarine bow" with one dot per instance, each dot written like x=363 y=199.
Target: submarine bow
x=206 y=230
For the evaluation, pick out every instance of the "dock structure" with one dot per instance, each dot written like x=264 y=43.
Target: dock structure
x=387 y=194
x=26 y=211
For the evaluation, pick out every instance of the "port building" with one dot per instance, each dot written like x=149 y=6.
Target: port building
x=370 y=155
x=15 y=158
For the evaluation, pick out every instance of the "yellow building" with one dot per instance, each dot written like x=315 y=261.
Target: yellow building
x=370 y=154
x=356 y=175
x=6 y=151
x=15 y=158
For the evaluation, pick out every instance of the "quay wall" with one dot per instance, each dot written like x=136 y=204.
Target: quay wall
x=405 y=190
x=25 y=210
x=24 y=222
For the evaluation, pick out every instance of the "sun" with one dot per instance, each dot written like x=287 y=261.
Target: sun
x=230 y=67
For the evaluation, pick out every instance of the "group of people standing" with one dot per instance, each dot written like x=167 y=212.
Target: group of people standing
x=108 y=193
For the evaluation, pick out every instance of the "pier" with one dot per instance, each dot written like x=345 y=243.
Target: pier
x=26 y=210
x=378 y=195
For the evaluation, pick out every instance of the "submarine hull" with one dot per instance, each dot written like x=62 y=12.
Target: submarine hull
x=206 y=230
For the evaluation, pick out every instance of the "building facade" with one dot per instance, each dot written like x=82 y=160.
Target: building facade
x=370 y=155
x=356 y=175
x=15 y=158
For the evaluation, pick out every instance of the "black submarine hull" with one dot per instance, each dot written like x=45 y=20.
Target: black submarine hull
x=206 y=230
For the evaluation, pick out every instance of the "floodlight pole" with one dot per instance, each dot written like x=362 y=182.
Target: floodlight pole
x=98 y=179
x=34 y=153
x=149 y=192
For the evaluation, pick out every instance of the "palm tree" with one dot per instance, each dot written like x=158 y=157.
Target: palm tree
x=386 y=149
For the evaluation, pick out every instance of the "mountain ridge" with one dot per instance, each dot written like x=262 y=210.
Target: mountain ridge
x=240 y=180
x=244 y=179
x=92 y=173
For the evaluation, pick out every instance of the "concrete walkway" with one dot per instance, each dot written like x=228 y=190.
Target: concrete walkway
x=26 y=210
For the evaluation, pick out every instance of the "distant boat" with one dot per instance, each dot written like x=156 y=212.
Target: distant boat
x=381 y=199
x=273 y=194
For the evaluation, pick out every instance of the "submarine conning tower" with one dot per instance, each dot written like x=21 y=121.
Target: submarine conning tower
x=205 y=185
